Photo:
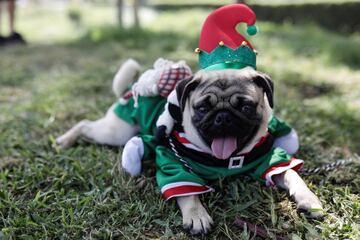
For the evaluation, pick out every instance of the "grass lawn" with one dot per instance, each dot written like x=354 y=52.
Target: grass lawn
x=64 y=75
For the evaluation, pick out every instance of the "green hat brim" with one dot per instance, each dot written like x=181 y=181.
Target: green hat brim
x=224 y=57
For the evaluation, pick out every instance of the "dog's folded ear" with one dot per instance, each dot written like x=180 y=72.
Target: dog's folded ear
x=264 y=81
x=183 y=89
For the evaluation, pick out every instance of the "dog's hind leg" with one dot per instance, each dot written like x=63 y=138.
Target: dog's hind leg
x=109 y=130
x=306 y=201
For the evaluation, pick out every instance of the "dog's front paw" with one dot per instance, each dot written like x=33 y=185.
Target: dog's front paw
x=197 y=221
x=309 y=204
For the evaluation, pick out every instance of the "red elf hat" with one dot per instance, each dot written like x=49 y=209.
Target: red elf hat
x=220 y=45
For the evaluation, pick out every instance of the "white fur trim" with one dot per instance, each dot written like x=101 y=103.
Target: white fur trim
x=289 y=142
x=145 y=85
x=132 y=155
x=123 y=101
x=162 y=63
x=278 y=170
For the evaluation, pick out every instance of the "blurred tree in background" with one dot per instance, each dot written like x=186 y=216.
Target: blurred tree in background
x=119 y=6
x=135 y=10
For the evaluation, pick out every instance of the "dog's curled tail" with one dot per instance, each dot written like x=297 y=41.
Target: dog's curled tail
x=127 y=74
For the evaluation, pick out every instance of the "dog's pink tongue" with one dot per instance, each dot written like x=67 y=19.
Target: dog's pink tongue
x=222 y=148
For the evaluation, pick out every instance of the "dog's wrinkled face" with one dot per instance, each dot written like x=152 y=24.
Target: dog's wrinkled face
x=225 y=107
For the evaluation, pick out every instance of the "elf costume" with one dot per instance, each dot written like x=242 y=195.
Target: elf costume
x=182 y=167
x=143 y=104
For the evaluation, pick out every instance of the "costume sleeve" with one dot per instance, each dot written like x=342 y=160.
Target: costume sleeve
x=278 y=127
x=276 y=161
x=175 y=178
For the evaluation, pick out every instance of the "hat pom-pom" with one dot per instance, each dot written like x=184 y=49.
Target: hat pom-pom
x=252 y=30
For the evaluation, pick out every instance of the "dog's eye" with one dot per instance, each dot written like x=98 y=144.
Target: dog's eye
x=248 y=109
x=203 y=109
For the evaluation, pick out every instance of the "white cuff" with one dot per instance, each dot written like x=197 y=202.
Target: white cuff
x=289 y=142
x=132 y=155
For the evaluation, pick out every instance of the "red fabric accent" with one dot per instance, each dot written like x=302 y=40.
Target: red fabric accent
x=220 y=25
x=258 y=144
x=282 y=164
x=183 y=190
x=181 y=139
x=262 y=140
x=128 y=94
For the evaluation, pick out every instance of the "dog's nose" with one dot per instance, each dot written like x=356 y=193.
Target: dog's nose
x=222 y=118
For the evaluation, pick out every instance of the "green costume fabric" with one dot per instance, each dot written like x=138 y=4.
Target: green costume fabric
x=145 y=115
x=224 y=57
x=166 y=160
x=176 y=179
x=278 y=127
x=187 y=177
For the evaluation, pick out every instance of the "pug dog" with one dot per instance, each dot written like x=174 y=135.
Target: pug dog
x=217 y=125
x=226 y=113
